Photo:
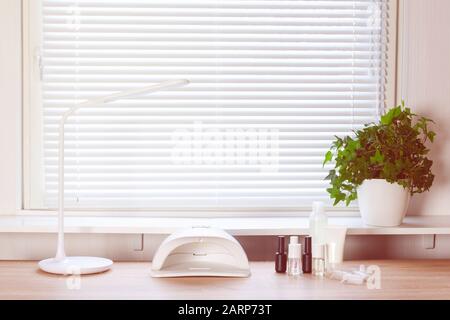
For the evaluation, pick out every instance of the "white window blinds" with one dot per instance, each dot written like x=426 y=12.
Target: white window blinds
x=272 y=81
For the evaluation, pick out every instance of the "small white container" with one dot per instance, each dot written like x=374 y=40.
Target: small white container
x=335 y=238
x=382 y=204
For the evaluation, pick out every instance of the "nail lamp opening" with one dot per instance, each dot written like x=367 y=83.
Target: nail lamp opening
x=200 y=252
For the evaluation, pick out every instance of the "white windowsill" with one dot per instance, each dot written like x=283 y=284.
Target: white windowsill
x=236 y=226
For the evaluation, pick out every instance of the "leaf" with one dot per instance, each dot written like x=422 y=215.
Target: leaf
x=330 y=191
x=431 y=135
x=351 y=198
x=377 y=158
x=347 y=201
x=391 y=115
x=331 y=175
x=352 y=145
x=338 y=142
x=338 y=198
x=389 y=170
x=347 y=187
x=397 y=111
x=387 y=118
x=328 y=158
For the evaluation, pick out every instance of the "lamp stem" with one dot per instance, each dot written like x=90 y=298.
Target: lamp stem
x=60 y=250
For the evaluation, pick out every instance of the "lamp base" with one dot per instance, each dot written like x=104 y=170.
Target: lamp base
x=75 y=265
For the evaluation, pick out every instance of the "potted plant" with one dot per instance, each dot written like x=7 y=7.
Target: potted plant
x=382 y=165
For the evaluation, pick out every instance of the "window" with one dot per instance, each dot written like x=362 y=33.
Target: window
x=271 y=83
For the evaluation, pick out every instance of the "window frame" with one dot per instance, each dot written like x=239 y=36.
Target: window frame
x=32 y=111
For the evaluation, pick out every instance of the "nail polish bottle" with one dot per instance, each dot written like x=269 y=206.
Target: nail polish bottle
x=307 y=256
x=280 y=256
x=294 y=267
x=318 y=260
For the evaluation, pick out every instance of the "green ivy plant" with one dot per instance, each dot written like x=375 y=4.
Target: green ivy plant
x=394 y=150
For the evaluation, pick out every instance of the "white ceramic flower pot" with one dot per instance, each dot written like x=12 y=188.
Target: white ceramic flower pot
x=381 y=203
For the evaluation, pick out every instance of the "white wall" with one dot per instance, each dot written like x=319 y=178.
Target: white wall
x=10 y=105
x=425 y=86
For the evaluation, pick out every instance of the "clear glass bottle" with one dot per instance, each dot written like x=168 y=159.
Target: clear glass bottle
x=318 y=260
x=294 y=267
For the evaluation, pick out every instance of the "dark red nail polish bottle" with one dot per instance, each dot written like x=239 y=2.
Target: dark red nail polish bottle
x=280 y=256
x=307 y=256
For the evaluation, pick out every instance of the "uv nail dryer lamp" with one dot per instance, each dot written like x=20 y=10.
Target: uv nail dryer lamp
x=200 y=252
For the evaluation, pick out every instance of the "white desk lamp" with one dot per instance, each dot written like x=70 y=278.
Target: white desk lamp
x=61 y=264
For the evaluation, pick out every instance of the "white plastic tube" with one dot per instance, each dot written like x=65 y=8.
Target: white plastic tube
x=335 y=237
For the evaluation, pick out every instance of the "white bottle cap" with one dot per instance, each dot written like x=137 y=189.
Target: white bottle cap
x=318 y=207
x=295 y=248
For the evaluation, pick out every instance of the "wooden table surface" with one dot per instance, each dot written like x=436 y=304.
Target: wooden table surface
x=402 y=279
